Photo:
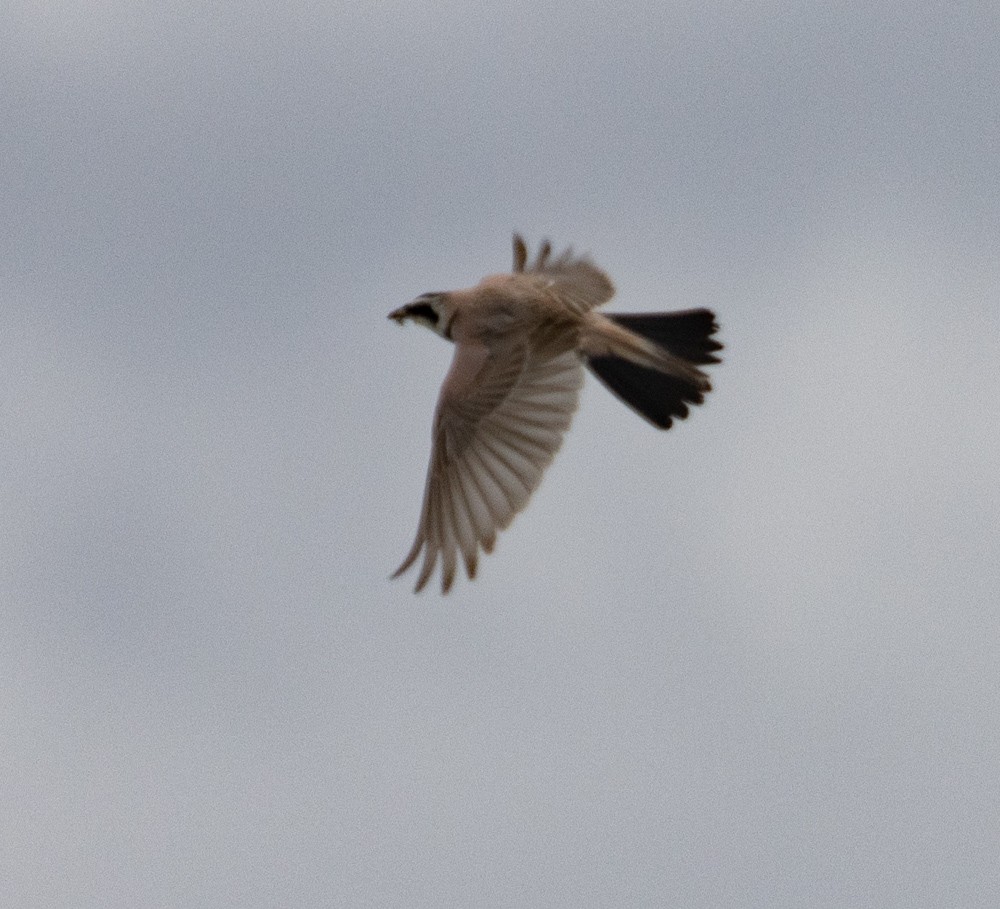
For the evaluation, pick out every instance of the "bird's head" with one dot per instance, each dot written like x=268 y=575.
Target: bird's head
x=432 y=310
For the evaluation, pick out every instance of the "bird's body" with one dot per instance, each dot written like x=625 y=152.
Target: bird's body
x=521 y=342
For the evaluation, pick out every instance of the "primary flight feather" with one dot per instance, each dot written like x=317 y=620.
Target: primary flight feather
x=521 y=342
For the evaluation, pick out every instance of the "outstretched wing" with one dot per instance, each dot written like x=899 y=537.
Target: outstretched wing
x=572 y=280
x=500 y=419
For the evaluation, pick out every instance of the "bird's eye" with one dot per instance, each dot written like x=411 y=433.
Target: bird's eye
x=424 y=311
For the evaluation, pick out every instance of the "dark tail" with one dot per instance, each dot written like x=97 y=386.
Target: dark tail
x=654 y=395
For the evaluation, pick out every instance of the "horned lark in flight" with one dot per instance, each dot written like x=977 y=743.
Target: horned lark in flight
x=521 y=342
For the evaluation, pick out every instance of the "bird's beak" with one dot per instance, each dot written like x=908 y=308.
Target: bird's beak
x=399 y=315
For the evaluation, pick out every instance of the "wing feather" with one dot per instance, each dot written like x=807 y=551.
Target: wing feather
x=575 y=281
x=449 y=533
x=468 y=519
x=494 y=437
x=495 y=503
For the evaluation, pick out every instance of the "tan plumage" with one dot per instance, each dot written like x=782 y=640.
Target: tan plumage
x=521 y=341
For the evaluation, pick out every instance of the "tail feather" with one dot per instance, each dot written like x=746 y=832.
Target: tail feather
x=655 y=395
x=686 y=334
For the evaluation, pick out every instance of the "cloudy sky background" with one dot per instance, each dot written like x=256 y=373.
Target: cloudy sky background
x=754 y=661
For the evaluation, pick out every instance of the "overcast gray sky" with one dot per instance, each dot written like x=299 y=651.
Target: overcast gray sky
x=754 y=661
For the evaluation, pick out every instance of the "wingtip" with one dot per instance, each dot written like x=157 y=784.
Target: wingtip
x=520 y=252
x=544 y=251
x=427 y=569
x=411 y=557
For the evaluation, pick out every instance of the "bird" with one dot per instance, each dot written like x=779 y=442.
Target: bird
x=522 y=341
